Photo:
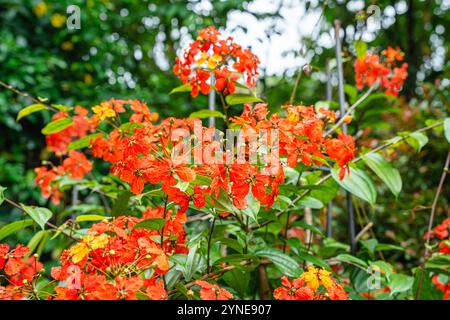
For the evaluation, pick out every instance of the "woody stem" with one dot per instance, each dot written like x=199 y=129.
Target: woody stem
x=208 y=262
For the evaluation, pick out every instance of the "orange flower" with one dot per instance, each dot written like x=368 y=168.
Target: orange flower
x=210 y=291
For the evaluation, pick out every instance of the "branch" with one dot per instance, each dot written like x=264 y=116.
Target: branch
x=350 y=110
x=51 y=225
x=25 y=95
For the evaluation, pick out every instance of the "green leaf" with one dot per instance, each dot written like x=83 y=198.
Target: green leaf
x=239 y=280
x=183 y=88
x=347 y=258
x=90 y=217
x=314 y=260
x=57 y=125
x=400 y=283
x=370 y=245
x=206 y=113
x=310 y=202
x=14 y=227
x=385 y=171
x=121 y=204
x=153 y=224
x=36 y=239
x=83 y=142
x=238 y=98
x=357 y=183
x=310 y=227
x=61 y=107
x=417 y=140
x=361 y=49
x=387 y=247
x=223 y=202
x=352 y=92
x=38 y=214
x=282 y=261
x=447 y=129
x=253 y=207
x=2 y=194
x=30 y=109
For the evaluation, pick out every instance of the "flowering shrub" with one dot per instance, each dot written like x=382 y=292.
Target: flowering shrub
x=314 y=284
x=442 y=233
x=369 y=69
x=156 y=173
x=212 y=54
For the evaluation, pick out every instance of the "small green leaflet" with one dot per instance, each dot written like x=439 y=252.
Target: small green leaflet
x=83 y=142
x=447 y=129
x=417 y=140
x=30 y=109
x=38 y=214
x=238 y=98
x=183 y=88
x=345 y=257
x=13 y=227
x=90 y=217
x=56 y=126
x=206 y=113
x=2 y=194
x=153 y=224
x=361 y=48
x=385 y=171
x=400 y=283
x=357 y=183
x=282 y=261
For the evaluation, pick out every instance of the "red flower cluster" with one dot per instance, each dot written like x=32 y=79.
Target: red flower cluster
x=58 y=142
x=314 y=284
x=211 y=53
x=119 y=260
x=442 y=232
x=210 y=291
x=76 y=165
x=22 y=272
x=369 y=69
x=141 y=152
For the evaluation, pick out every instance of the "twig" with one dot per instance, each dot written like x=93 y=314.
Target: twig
x=208 y=264
x=363 y=231
x=350 y=110
x=25 y=95
x=51 y=225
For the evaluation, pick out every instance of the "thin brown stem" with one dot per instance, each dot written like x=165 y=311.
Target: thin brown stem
x=51 y=225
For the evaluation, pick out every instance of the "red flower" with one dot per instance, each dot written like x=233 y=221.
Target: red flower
x=14 y=258
x=294 y=290
x=210 y=291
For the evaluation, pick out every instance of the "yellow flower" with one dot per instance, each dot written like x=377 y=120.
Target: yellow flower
x=40 y=9
x=90 y=242
x=67 y=46
x=316 y=277
x=78 y=252
x=57 y=20
x=104 y=111
x=202 y=59
x=214 y=61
